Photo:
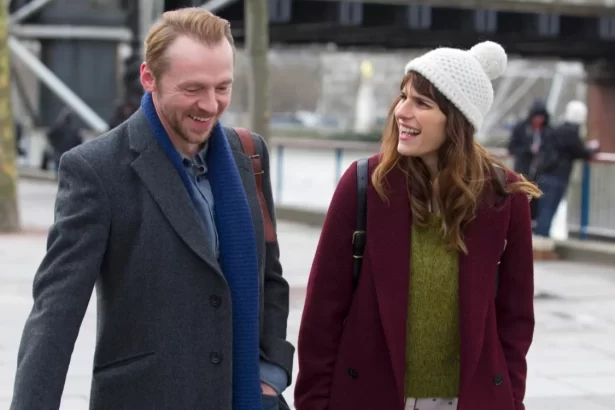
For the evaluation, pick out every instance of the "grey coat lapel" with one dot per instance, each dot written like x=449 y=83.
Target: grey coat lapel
x=167 y=188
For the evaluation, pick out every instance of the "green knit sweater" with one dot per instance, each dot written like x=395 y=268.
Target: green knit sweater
x=432 y=349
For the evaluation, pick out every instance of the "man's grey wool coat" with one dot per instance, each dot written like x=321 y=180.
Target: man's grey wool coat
x=125 y=225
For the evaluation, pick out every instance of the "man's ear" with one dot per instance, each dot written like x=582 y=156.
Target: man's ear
x=147 y=79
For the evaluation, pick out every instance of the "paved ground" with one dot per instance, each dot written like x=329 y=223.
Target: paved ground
x=571 y=363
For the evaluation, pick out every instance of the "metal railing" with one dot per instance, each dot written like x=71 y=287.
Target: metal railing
x=590 y=197
x=338 y=148
x=305 y=172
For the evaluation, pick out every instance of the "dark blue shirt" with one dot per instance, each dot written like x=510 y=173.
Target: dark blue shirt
x=196 y=166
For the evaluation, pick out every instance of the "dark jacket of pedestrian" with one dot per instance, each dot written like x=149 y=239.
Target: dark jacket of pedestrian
x=527 y=137
x=565 y=145
x=64 y=134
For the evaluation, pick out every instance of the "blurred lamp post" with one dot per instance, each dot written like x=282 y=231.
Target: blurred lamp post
x=365 y=120
x=256 y=21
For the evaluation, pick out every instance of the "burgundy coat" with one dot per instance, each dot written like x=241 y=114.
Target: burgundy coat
x=352 y=347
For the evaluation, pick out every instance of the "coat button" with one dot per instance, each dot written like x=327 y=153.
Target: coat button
x=352 y=373
x=215 y=301
x=215 y=357
x=497 y=380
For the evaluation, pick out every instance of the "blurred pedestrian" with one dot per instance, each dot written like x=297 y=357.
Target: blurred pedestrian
x=63 y=136
x=525 y=142
x=557 y=155
x=124 y=110
x=18 y=129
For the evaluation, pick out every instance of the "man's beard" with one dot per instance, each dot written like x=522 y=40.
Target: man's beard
x=176 y=125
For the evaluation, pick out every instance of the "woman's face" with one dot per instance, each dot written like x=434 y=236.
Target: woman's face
x=421 y=126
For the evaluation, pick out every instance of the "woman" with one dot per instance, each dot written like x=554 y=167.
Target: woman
x=442 y=316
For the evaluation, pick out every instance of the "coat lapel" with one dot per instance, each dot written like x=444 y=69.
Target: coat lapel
x=166 y=188
x=388 y=244
x=477 y=272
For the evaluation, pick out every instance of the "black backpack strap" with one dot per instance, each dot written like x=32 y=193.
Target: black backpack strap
x=358 y=237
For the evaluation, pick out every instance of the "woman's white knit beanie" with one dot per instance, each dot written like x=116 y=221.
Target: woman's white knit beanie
x=464 y=76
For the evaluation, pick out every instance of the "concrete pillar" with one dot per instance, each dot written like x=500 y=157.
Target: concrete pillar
x=601 y=104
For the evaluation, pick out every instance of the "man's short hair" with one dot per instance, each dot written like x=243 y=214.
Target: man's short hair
x=194 y=22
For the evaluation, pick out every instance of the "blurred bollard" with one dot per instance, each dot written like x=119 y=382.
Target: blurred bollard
x=338 y=164
x=585 y=197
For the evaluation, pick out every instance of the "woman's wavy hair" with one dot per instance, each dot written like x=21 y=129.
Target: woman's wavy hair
x=467 y=173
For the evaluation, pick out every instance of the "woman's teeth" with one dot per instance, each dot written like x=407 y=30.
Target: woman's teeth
x=408 y=130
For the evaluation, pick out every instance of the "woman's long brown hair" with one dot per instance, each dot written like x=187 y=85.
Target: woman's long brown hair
x=466 y=170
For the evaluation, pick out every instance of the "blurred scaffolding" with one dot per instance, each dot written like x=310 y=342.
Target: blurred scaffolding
x=311 y=87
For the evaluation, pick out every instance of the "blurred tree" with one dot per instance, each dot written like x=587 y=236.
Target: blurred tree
x=9 y=215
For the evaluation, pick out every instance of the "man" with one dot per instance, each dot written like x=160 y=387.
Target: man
x=162 y=214
x=557 y=155
x=525 y=142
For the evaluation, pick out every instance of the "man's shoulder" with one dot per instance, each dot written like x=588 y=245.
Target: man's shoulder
x=232 y=134
x=232 y=137
x=106 y=149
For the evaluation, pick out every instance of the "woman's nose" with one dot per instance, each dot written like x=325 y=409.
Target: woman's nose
x=405 y=110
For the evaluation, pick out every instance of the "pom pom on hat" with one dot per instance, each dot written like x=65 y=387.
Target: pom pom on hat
x=491 y=57
x=464 y=76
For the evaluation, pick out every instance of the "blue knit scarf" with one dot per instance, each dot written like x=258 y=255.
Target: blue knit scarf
x=238 y=253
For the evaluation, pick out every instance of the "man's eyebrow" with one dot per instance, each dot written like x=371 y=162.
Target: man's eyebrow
x=190 y=84
x=193 y=83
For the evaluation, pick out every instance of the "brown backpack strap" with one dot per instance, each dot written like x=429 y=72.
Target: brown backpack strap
x=249 y=148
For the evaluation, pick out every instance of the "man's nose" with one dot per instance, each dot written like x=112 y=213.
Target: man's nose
x=208 y=103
